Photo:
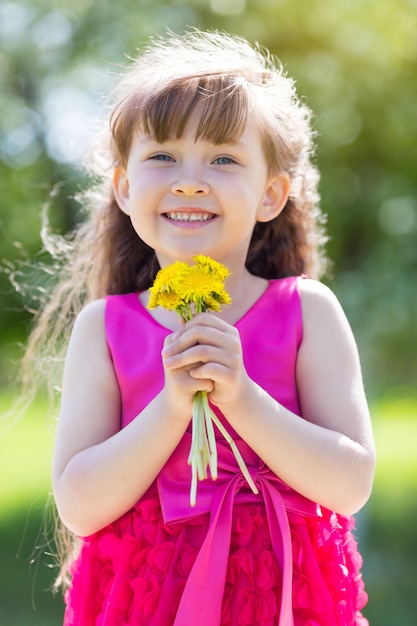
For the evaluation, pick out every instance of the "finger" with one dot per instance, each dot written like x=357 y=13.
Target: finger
x=210 y=371
x=208 y=320
x=203 y=321
x=195 y=355
x=201 y=335
x=213 y=364
x=169 y=340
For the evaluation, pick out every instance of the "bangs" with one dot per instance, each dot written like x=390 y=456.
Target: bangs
x=221 y=100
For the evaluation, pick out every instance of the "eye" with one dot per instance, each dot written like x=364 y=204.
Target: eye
x=224 y=160
x=160 y=156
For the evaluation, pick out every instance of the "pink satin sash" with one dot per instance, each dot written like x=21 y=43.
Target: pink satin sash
x=201 y=602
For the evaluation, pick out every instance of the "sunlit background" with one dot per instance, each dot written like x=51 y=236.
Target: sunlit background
x=355 y=62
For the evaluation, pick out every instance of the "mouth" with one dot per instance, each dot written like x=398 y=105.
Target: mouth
x=180 y=216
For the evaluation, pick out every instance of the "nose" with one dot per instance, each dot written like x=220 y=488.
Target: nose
x=189 y=184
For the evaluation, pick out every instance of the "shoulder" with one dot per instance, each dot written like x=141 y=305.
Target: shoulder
x=324 y=320
x=91 y=316
x=93 y=310
x=88 y=355
x=96 y=310
x=89 y=326
x=318 y=300
x=314 y=291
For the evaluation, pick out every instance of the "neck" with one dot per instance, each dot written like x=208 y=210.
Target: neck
x=244 y=289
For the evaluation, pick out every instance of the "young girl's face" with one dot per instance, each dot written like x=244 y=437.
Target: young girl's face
x=189 y=196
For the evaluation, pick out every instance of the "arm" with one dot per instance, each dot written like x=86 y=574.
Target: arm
x=328 y=456
x=99 y=469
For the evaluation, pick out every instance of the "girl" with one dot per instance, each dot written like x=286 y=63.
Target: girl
x=210 y=154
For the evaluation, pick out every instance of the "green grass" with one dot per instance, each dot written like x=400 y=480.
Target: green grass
x=388 y=539
x=26 y=442
x=386 y=526
x=395 y=421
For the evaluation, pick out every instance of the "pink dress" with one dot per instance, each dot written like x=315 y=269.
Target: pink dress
x=235 y=559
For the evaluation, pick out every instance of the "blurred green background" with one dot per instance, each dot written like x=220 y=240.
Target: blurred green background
x=355 y=62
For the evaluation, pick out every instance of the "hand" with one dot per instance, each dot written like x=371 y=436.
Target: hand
x=206 y=354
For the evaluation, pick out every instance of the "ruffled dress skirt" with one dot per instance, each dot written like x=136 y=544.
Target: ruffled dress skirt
x=133 y=572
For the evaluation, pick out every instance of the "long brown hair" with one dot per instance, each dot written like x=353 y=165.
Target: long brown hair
x=229 y=81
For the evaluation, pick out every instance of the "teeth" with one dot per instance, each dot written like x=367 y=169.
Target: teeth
x=189 y=217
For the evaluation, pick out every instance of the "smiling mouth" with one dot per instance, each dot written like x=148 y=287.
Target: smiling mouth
x=189 y=217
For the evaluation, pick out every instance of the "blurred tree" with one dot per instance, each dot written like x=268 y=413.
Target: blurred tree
x=355 y=62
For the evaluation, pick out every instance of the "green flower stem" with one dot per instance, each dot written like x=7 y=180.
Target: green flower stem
x=235 y=450
x=210 y=435
x=199 y=452
x=203 y=450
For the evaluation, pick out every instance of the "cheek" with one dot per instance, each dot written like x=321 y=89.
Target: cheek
x=140 y=222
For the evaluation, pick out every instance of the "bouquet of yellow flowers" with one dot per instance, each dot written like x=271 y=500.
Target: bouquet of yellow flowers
x=189 y=290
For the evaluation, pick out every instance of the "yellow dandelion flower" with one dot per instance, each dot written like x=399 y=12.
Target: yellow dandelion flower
x=210 y=265
x=153 y=299
x=168 y=300
x=167 y=277
x=221 y=297
x=209 y=303
x=197 y=284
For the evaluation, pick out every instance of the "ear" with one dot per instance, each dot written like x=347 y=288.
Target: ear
x=121 y=188
x=275 y=198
